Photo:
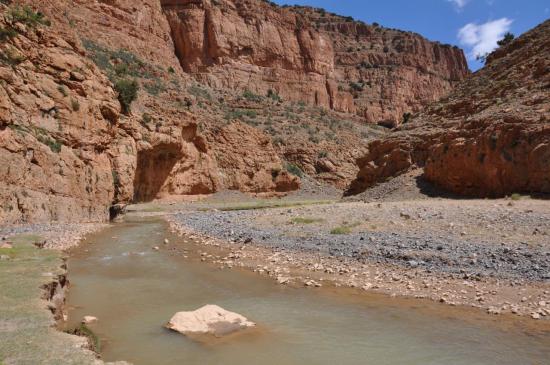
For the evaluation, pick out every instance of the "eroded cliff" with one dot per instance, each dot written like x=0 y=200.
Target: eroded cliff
x=228 y=95
x=309 y=55
x=488 y=138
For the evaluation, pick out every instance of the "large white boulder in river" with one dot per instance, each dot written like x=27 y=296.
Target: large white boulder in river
x=210 y=319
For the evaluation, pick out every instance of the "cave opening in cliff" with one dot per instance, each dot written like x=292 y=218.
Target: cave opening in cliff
x=153 y=168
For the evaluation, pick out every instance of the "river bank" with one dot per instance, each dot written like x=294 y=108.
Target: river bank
x=492 y=255
x=136 y=274
x=33 y=285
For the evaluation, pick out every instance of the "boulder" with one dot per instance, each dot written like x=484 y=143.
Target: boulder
x=210 y=319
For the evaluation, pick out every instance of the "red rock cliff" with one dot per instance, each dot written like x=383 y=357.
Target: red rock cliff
x=309 y=55
x=489 y=138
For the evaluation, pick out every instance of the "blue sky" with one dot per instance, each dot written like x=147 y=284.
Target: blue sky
x=474 y=25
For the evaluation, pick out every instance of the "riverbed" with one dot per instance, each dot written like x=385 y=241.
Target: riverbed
x=133 y=290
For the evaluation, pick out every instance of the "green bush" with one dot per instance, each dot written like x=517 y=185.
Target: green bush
x=344 y=229
x=127 y=92
x=508 y=37
x=146 y=118
x=197 y=91
x=62 y=90
x=355 y=86
x=154 y=87
x=75 y=105
x=7 y=33
x=250 y=96
x=294 y=170
x=55 y=146
x=273 y=95
x=340 y=230
x=304 y=220
x=27 y=16
x=10 y=57
x=171 y=70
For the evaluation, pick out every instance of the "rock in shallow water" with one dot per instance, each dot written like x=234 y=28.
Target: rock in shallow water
x=210 y=319
x=89 y=319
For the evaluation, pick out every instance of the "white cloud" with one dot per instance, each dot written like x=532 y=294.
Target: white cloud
x=483 y=38
x=459 y=4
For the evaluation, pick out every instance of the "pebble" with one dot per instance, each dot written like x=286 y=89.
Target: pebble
x=89 y=319
x=283 y=279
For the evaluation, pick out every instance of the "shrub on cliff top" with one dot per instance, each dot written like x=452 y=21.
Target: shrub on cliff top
x=127 y=93
x=508 y=37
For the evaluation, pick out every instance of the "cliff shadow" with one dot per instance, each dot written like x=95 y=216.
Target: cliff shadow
x=153 y=168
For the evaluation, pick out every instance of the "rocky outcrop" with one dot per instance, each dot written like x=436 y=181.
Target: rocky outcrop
x=230 y=95
x=248 y=162
x=489 y=138
x=54 y=134
x=308 y=55
x=209 y=319
x=66 y=151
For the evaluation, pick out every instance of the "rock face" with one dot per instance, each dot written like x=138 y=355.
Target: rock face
x=489 y=138
x=66 y=151
x=210 y=320
x=248 y=161
x=57 y=116
x=308 y=55
x=205 y=69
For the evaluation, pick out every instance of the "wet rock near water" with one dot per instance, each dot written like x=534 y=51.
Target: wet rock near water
x=210 y=320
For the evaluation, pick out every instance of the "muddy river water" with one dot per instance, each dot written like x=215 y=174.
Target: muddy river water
x=116 y=276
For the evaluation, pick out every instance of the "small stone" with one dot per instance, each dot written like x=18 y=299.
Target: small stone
x=283 y=279
x=4 y=257
x=535 y=315
x=166 y=241
x=156 y=248
x=89 y=319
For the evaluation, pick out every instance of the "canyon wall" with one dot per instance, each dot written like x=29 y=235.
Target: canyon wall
x=309 y=55
x=67 y=151
x=488 y=138
x=229 y=94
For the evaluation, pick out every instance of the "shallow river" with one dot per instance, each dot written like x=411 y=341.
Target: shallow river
x=133 y=290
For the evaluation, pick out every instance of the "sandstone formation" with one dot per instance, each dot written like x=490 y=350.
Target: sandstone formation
x=489 y=138
x=57 y=116
x=68 y=153
x=236 y=105
x=309 y=55
x=209 y=319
